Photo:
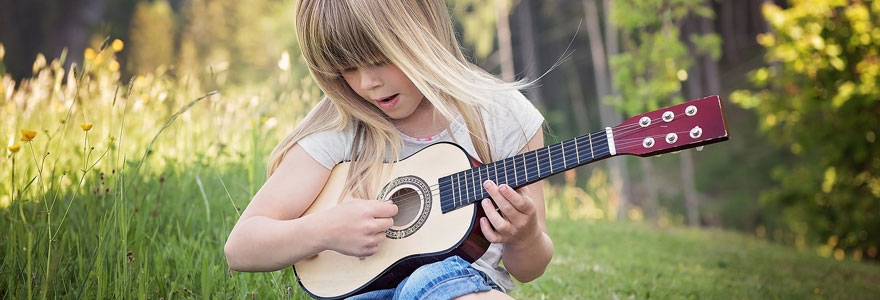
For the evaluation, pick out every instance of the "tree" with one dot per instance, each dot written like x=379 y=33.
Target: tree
x=818 y=95
x=654 y=61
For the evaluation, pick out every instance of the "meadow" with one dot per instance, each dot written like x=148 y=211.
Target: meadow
x=128 y=189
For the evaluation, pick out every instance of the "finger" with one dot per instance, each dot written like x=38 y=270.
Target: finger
x=490 y=234
x=383 y=209
x=383 y=224
x=499 y=199
x=518 y=199
x=378 y=238
x=501 y=225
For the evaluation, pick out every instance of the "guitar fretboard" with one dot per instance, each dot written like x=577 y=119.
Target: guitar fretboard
x=466 y=187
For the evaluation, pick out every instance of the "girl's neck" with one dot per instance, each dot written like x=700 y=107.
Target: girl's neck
x=422 y=122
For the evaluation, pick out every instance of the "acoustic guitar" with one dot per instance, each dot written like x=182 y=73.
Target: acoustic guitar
x=435 y=187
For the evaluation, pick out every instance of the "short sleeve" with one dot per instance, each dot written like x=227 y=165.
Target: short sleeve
x=511 y=124
x=328 y=147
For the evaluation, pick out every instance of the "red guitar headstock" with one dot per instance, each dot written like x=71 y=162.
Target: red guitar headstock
x=690 y=124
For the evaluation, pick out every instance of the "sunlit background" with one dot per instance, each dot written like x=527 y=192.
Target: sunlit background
x=136 y=131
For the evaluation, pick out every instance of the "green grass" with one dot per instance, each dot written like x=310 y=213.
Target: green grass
x=605 y=260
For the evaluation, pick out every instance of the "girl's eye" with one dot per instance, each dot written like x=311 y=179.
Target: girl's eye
x=349 y=70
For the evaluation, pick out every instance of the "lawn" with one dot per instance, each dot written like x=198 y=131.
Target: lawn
x=608 y=260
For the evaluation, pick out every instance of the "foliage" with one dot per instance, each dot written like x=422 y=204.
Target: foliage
x=477 y=19
x=233 y=41
x=818 y=95
x=115 y=188
x=649 y=71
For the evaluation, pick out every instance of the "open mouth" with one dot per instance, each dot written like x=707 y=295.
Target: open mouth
x=388 y=99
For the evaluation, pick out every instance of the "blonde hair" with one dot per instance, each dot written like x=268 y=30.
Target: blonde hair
x=416 y=36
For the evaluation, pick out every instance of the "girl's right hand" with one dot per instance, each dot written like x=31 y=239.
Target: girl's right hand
x=357 y=227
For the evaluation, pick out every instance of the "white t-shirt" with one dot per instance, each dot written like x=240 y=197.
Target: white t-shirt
x=509 y=126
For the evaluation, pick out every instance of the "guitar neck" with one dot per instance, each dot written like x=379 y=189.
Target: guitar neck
x=465 y=187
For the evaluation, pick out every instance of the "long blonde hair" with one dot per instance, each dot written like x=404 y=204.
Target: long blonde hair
x=416 y=36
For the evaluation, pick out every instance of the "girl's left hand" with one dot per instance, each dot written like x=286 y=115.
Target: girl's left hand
x=517 y=221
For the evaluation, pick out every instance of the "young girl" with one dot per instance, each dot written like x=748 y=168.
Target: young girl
x=395 y=81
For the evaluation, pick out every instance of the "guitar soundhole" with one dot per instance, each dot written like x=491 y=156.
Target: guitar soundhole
x=409 y=203
x=412 y=195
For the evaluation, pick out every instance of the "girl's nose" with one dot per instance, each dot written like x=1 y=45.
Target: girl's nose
x=370 y=78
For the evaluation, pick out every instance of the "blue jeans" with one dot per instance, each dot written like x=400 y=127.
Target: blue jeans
x=447 y=279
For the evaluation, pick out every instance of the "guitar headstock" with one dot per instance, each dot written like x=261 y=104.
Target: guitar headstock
x=690 y=124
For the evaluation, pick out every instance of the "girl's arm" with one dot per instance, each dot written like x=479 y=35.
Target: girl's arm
x=272 y=234
x=521 y=224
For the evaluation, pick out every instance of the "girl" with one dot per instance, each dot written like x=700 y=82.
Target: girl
x=395 y=81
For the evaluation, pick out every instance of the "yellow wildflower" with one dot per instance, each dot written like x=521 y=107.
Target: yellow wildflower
x=86 y=127
x=114 y=66
x=117 y=45
x=2 y=52
x=89 y=54
x=27 y=135
x=14 y=148
x=112 y=138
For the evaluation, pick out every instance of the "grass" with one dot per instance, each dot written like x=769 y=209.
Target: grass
x=613 y=260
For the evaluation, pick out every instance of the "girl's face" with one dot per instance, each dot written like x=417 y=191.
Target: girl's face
x=386 y=87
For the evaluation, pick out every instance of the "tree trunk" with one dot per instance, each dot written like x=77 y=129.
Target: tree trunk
x=607 y=114
x=713 y=82
x=576 y=98
x=505 y=48
x=651 y=205
x=694 y=91
x=527 y=44
x=728 y=31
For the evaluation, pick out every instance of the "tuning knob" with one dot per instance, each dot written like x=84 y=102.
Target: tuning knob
x=644 y=121
x=690 y=111
x=648 y=142
x=696 y=132
x=671 y=138
x=668 y=116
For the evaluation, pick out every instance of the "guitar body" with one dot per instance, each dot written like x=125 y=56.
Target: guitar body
x=421 y=233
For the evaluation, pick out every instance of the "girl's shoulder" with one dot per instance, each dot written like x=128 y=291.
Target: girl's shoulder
x=329 y=147
x=510 y=120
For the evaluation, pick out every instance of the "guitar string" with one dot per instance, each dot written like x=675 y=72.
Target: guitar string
x=621 y=143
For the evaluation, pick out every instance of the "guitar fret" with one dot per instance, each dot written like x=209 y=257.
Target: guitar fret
x=576 y=151
x=538 y=162
x=549 y=149
x=592 y=156
x=515 y=176
x=505 y=171
x=525 y=168
x=564 y=161
x=453 y=192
